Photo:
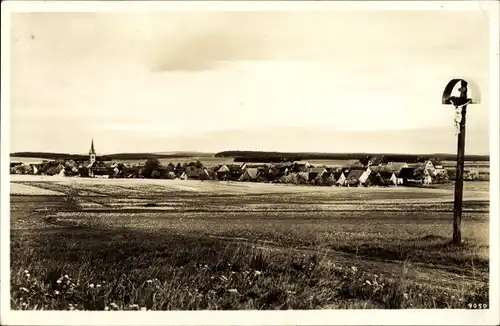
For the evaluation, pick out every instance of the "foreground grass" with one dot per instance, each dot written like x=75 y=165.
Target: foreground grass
x=170 y=261
x=126 y=269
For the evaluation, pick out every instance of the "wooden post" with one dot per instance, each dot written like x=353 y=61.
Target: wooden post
x=459 y=177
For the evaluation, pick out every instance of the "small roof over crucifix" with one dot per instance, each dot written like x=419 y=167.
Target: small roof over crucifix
x=473 y=96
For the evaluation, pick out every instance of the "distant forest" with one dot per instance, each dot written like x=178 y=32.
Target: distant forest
x=118 y=156
x=256 y=156
x=253 y=156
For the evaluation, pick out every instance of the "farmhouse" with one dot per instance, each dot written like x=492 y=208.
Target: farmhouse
x=427 y=179
x=303 y=176
x=389 y=177
x=223 y=172
x=339 y=178
x=316 y=173
x=354 y=178
x=250 y=174
x=427 y=165
x=408 y=175
x=374 y=179
x=373 y=160
x=196 y=174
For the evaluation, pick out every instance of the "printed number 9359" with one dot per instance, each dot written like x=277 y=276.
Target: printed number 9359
x=477 y=306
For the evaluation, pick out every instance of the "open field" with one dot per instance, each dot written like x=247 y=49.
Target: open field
x=206 y=160
x=168 y=244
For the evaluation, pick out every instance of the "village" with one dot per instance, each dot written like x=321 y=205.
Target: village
x=371 y=171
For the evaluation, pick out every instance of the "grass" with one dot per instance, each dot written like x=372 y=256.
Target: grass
x=64 y=256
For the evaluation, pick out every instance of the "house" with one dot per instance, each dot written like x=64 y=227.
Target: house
x=100 y=171
x=427 y=165
x=222 y=172
x=193 y=173
x=408 y=175
x=427 y=179
x=299 y=167
x=303 y=176
x=34 y=168
x=436 y=163
x=334 y=177
x=373 y=160
x=234 y=172
x=374 y=180
x=303 y=163
x=395 y=167
x=340 y=178
x=354 y=177
x=316 y=173
x=389 y=178
x=250 y=174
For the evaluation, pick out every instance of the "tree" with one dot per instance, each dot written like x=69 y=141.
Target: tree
x=150 y=165
x=198 y=164
x=441 y=176
x=155 y=174
x=419 y=173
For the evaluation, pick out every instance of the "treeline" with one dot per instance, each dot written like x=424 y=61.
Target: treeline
x=109 y=157
x=258 y=156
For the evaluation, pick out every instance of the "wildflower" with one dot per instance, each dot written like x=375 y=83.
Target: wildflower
x=368 y=282
x=258 y=273
x=27 y=274
x=143 y=309
x=66 y=276
x=134 y=306
x=223 y=278
x=405 y=295
x=206 y=266
x=24 y=304
x=149 y=281
x=56 y=292
x=26 y=271
x=98 y=285
x=106 y=308
x=354 y=268
x=113 y=305
x=103 y=282
x=91 y=285
x=58 y=281
x=453 y=297
x=232 y=290
x=233 y=272
x=24 y=289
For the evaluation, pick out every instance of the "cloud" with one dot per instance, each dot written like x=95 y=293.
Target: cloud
x=206 y=47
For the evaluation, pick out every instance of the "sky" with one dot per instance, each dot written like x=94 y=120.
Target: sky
x=327 y=81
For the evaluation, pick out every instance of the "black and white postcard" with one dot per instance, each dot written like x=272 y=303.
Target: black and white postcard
x=250 y=163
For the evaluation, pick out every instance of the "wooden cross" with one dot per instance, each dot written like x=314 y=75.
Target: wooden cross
x=459 y=102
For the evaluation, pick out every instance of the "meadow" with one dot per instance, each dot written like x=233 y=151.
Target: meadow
x=87 y=244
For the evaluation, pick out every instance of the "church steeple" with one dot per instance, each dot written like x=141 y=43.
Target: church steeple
x=92 y=152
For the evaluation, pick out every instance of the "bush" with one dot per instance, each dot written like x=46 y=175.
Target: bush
x=441 y=177
x=150 y=166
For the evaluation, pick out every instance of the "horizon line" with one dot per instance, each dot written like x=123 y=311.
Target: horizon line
x=246 y=151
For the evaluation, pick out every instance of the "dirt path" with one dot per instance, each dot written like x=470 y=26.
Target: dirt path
x=418 y=272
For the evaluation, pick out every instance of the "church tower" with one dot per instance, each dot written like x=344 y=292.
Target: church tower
x=92 y=152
